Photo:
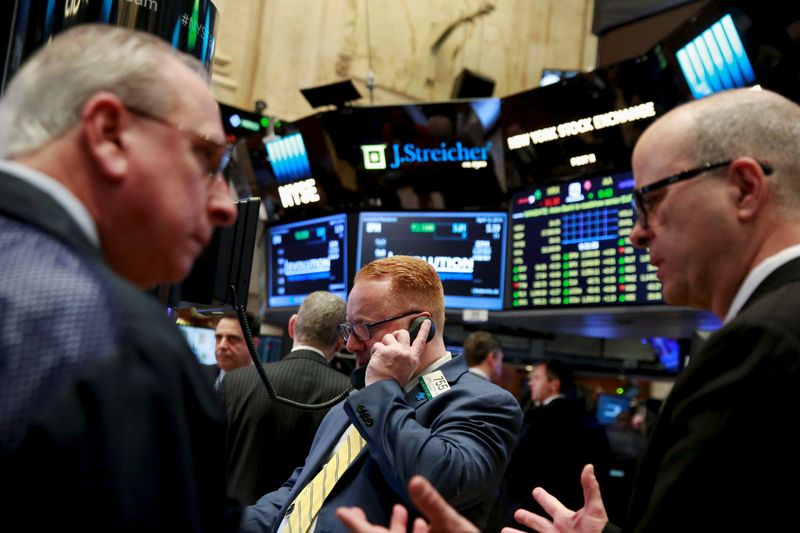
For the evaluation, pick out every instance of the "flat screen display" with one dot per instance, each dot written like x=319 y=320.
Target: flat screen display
x=306 y=256
x=467 y=249
x=610 y=407
x=288 y=158
x=668 y=352
x=570 y=246
x=588 y=123
x=445 y=155
x=716 y=60
x=202 y=342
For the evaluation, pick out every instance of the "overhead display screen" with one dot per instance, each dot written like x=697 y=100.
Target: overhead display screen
x=570 y=247
x=307 y=256
x=467 y=249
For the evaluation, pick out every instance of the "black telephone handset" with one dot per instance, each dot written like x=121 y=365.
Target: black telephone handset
x=416 y=324
x=358 y=375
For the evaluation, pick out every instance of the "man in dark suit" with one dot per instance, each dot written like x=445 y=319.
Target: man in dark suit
x=484 y=355
x=110 y=183
x=557 y=439
x=266 y=439
x=230 y=348
x=421 y=411
x=718 y=198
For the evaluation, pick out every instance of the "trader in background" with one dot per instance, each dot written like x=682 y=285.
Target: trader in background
x=110 y=183
x=231 y=348
x=484 y=355
x=267 y=439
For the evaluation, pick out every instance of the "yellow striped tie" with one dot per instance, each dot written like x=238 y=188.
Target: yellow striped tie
x=309 y=501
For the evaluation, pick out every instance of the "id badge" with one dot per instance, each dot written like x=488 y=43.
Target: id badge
x=434 y=384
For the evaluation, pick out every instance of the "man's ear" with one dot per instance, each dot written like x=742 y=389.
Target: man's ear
x=339 y=345
x=103 y=119
x=751 y=187
x=292 y=320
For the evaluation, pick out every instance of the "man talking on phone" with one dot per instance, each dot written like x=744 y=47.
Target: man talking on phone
x=419 y=412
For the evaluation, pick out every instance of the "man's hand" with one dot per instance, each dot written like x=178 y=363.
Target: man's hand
x=589 y=519
x=396 y=357
x=356 y=521
x=443 y=518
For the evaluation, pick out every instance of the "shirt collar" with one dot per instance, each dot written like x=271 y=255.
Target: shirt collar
x=62 y=196
x=551 y=398
x=757 y=276
x=297 y=347
x=478 y=372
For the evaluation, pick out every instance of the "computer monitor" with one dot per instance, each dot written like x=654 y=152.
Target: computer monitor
x=570 y=246
x=467 y=249
x=668 y=352
x=202 y=342
x=288 y=158
x=609 y=407
x=221 y=275
x=716 y=60
x=306 y=256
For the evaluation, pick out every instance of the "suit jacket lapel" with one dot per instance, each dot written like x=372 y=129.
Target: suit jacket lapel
x=786 y=273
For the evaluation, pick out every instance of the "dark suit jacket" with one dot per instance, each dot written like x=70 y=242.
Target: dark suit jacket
x=268 y=440
x=725 y=452
x=555 y=443
x=460 y=440
x=106 y=415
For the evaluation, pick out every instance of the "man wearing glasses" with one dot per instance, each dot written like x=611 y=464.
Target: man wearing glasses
x=110 y=182
x=420 y=412
x=724 y=236
x=718 y=200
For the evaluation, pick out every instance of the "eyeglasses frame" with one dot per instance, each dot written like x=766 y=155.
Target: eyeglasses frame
x=638 y=194
x=346 y=328
x=222 y=150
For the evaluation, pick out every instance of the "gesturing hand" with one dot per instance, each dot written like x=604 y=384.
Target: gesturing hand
x=443 y=518
x=591 y=518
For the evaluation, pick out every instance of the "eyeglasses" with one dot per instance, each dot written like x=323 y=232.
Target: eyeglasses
x=216 y=155
x=640 y=203
x=362 y=331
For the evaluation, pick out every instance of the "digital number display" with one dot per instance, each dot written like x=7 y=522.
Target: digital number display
x=570 y=247
x=305 y=257
x=467 y=250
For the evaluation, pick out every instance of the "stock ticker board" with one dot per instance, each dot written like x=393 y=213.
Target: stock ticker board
x=570 y=247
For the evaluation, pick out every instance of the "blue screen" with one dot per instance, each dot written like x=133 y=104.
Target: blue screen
x=668 y=352
x=288 y=158
x=467 y=249
x=306 y=256
x=610 y=407
x=202 y=342
x=716 y=60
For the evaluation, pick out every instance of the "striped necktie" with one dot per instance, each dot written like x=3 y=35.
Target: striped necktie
x=309 y=501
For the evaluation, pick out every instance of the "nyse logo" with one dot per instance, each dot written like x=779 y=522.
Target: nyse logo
x=374 y=156
x=298 y=193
